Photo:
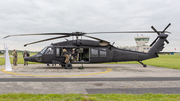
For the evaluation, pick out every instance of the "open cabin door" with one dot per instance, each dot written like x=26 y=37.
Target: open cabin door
x=80 y=55
x=59 y=55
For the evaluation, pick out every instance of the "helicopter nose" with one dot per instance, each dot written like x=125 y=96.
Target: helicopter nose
x=32 y=58
x=38 y=57
x=26 y=58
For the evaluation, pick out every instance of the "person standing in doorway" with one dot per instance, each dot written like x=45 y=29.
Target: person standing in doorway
x=76 y=55
x=66 y=55
x=26 y=54
x=14 y=54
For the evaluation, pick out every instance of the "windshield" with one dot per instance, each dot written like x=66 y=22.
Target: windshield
x=43 y=50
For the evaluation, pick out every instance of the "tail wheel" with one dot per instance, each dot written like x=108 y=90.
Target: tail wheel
x=68 y=66
x=144 y=66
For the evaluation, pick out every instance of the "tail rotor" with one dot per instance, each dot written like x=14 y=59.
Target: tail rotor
x=158 y=32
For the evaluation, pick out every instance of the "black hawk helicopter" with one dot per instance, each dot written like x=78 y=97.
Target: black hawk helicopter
x=89 y=51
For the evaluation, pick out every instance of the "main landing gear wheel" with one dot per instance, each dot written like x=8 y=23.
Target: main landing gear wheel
x=68 y=66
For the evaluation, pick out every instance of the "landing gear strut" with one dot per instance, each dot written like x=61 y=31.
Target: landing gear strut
x=144 y=65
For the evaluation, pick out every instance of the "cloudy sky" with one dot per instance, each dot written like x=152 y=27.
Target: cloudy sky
x=42 y=16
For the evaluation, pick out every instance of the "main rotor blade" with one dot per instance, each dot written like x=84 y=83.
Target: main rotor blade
x=127 y=32
x=166 y=27
x=81 y=33
x=39 y=34
x=45 y=40
x=96 y=38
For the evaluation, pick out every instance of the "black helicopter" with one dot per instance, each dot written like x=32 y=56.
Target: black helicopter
x=90 y=51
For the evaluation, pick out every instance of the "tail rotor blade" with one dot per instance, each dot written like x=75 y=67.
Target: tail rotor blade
x=166 y=27
x=155 y=30
x=167 y=41
x=154 y=41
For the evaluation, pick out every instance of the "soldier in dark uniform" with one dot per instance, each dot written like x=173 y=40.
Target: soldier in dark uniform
x=76 y=55
x=26 y=54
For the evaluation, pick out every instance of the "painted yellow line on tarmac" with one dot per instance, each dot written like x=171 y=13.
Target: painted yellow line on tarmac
x=3 y=70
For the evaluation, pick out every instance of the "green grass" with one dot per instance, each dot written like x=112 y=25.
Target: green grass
x=167 y=61
x=88 y=97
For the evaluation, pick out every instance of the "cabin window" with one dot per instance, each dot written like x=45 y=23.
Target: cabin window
x=57 y=51
x=49 y=51
x=94 y=53
x=102 y=52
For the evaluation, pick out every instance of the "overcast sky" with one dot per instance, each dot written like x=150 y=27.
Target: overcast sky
x=41 y=16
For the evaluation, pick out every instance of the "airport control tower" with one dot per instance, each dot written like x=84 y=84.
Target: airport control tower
x=141 y=46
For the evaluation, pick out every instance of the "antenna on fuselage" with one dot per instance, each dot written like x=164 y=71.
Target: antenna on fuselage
x=113 y=43
x=66 y=39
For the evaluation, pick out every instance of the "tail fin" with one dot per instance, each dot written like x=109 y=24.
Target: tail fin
x=158 y=46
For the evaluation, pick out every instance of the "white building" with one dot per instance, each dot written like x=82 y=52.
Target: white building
x=141 y=46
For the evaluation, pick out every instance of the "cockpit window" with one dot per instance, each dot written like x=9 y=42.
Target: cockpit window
x=49 y=51
x=43 y=50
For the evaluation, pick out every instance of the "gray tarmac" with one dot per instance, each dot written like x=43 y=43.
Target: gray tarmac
x=94 y=79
